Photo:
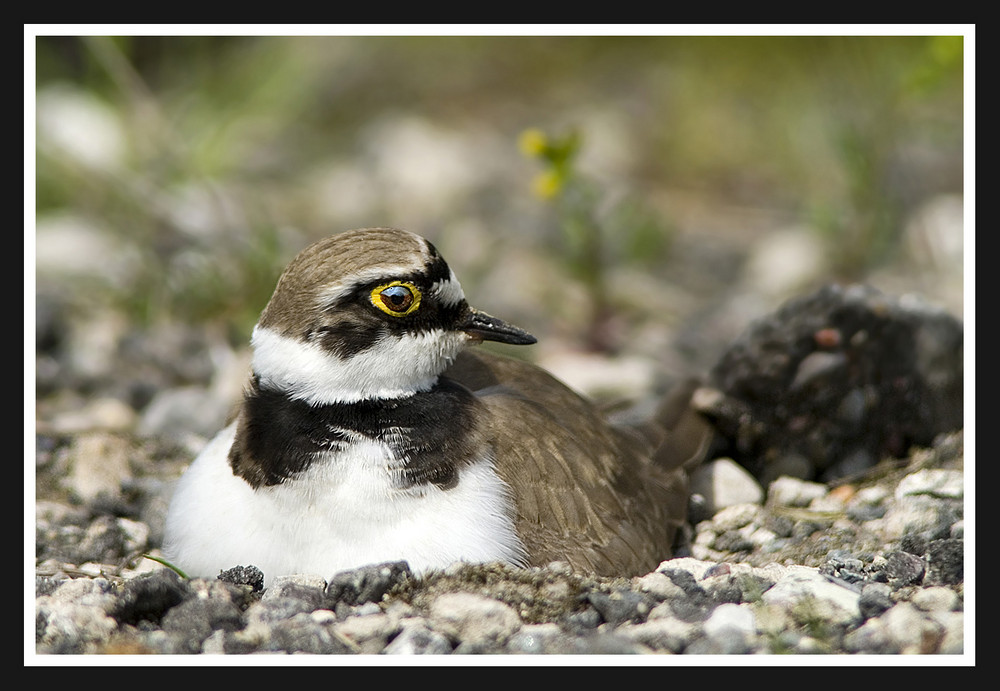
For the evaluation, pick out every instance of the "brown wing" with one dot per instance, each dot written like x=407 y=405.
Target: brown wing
x=587 y=492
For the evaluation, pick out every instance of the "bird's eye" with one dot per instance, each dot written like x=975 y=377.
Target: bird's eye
x=397 y=298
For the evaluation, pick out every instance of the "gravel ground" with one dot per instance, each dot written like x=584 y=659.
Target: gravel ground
x=857 y=556
x=810 y=570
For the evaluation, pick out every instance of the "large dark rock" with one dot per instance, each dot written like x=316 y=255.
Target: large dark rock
x=835 y=381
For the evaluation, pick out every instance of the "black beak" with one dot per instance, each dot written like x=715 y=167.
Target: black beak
x=483 y=327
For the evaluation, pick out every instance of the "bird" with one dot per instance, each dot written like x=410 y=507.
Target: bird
x=371 y=429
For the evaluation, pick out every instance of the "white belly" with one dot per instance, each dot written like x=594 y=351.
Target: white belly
x=341 y=513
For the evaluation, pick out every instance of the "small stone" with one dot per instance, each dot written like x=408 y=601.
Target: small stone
x=911 y=631
x=918 y=515
x=415 y=638
x=945 y=562
x=724 y=483
x=862 y=513
x=736 y=516
x=828 y=599
x=271 y=610
x=659 y=586
x=935 y=482
x=305 y=587
x=957 y=530
x=935 y=599
x=473 y=619
x=730 y=617
x=789 y=491
x=732 y=541
x=302 y=634
x=875 y=599
x=584 y=620
x=621 y=606
x=870 y=495
x=93 y=592
x=197 y=618
x=244 y=575
x=904 y=569
x=664 y=632
x=366 y=584
x=370 y=632
x=826 y=503
x=953 y=625
x=694 y=568
x=540 y=639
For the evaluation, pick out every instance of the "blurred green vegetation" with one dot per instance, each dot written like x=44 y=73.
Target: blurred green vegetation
x=596 y=236
x=220 y=141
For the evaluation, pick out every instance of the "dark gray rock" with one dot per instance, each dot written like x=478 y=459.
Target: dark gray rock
x=244 y=575
x=196 y=618
x=904 y=569
x=875 y=599
x=301 y=633
x=620 y=606
x=841 y=378
x=149 y=597
x=366 y=584
x=945 y=562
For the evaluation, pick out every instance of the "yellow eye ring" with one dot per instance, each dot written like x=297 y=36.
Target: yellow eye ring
x=398 y=298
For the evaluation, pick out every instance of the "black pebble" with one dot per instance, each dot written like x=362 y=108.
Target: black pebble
x=244 y=575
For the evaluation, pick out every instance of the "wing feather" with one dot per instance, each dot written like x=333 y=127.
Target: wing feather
x=587 y=492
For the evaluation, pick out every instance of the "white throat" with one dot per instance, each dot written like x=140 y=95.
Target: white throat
x=396 y=367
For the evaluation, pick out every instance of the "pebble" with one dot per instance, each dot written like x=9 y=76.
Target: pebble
x=417 y=638
x=662 y=632
x=806 y=587
x=369 y=633
x=730 y=618
x=735 y=516
x=935 y=599
x=790 y=491
x=902 y=629
x=473 y=619
x=936 y=482
x=875 y=599
x=724 y=483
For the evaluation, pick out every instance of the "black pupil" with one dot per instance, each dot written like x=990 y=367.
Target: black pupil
x=397 y=298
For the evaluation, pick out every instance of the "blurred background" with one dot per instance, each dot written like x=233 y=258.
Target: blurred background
x=634 y=202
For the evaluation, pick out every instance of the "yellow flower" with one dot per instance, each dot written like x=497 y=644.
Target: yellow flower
x=547 y=184
x=532 y=142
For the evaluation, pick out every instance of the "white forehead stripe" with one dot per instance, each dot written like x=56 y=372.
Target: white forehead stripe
x=309 y=373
